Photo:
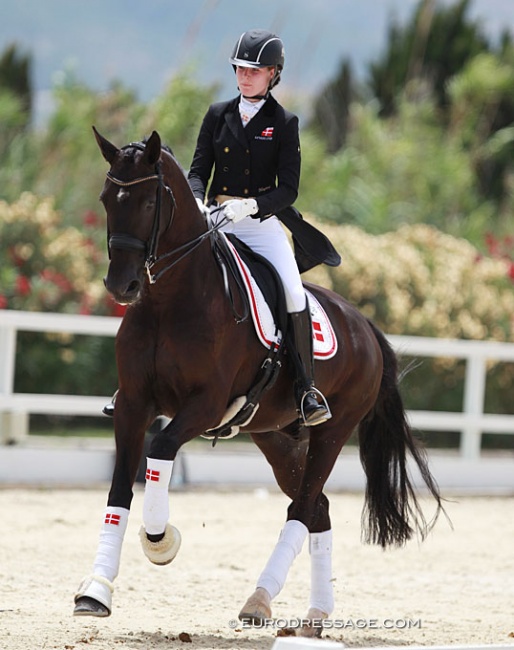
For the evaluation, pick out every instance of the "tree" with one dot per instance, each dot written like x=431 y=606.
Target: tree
x=482 y=117
x=332 y=108
x=15 y=76
x=434 y=46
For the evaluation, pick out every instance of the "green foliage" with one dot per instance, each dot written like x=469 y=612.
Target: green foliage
x=50 y=266
x=15 y=70
x=331 y=109
x=405 y=170
x=419 y=281
x=47 y=265
x=177 y=115
x=481 y=116
x=434 y=46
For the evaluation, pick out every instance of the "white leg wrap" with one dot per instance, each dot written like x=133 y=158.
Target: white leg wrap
x=156 y=507
x=322 y=592
x=107 y=560
x=287 y=548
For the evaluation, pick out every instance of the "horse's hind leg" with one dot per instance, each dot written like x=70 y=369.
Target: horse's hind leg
x=301 y=470
x=94 y=595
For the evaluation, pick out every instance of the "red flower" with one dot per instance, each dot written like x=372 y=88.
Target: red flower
x=3 y=301
x=114 y=308
x=17 y=260
x=91 y=219
x=119 y=310
x=58 y=279
x=22 y=285
x=510 y=271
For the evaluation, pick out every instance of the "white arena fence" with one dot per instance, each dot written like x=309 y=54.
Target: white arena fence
x=471 y=422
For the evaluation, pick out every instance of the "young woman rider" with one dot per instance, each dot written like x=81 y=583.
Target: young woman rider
x=252 y=144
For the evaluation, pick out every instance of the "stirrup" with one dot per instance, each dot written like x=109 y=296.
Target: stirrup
x=108 y=409
x=321 y=414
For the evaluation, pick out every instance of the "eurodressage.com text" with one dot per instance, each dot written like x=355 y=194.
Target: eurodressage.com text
x=331 y=624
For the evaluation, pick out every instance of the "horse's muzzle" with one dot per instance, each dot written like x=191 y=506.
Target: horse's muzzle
x=124 y=293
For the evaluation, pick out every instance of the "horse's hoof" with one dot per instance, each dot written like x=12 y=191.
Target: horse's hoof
x=313 y=623
x=86 y=606
x=94 y=597
x=163 y=551
x=257 y=608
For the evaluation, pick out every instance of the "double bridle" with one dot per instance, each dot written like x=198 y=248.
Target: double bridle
x=149 y=247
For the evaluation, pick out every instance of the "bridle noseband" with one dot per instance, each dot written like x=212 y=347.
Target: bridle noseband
x=149 y=247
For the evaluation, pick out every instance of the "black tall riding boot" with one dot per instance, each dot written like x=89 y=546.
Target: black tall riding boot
x=301 y=350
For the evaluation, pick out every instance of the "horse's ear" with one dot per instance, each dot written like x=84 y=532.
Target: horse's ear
x=109 y=151
x=152 y=149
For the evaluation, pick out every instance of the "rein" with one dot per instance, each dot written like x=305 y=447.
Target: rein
x=149 y=247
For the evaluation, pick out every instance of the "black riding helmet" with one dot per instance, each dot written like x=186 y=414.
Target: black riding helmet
x=259 y=48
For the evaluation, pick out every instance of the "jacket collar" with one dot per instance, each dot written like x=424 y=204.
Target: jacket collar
x=233 y=119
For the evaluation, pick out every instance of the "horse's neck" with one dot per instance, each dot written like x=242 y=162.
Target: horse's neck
x=191 y=261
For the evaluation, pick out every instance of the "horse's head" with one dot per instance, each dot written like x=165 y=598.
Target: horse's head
x=139 y=206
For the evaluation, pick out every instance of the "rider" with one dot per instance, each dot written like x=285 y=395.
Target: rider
x=253 y=144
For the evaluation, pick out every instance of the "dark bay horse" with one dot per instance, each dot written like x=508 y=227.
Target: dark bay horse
x=181 y=353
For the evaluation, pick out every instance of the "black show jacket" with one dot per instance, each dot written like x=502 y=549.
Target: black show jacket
x=261 y=160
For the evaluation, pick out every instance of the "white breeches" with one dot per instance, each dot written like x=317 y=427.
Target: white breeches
x=269 y=239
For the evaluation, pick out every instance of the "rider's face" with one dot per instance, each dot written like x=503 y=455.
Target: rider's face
x=253 y=81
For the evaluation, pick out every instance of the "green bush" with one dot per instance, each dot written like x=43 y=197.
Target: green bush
x=419 y=281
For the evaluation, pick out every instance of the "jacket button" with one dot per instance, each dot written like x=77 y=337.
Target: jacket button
x=247 y=171
x=225 y=188
x=225 y=169
x=226 y=149
x=246 y=191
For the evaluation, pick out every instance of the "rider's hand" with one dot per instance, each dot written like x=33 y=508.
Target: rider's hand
x=203 y=208
x=237 y=209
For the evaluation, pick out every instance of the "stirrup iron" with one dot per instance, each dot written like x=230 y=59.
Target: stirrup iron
x=324 y=403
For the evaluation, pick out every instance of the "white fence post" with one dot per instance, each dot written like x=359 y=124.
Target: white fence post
x=13 y=426
x=474 y=393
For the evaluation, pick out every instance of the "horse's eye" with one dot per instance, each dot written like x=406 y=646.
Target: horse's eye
x=150 y=204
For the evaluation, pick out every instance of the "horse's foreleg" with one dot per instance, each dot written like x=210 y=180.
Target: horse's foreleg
x=94 y=595
x=159 y=540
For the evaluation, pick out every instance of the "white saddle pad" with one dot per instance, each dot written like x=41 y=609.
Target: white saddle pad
x=324 y=338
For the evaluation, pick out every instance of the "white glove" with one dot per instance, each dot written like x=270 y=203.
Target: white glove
x=237 y=209
x=203 y=208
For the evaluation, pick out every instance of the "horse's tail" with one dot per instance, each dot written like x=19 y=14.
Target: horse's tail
x=391 y=512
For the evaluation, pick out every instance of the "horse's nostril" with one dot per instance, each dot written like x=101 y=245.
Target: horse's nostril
x=133 y=287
